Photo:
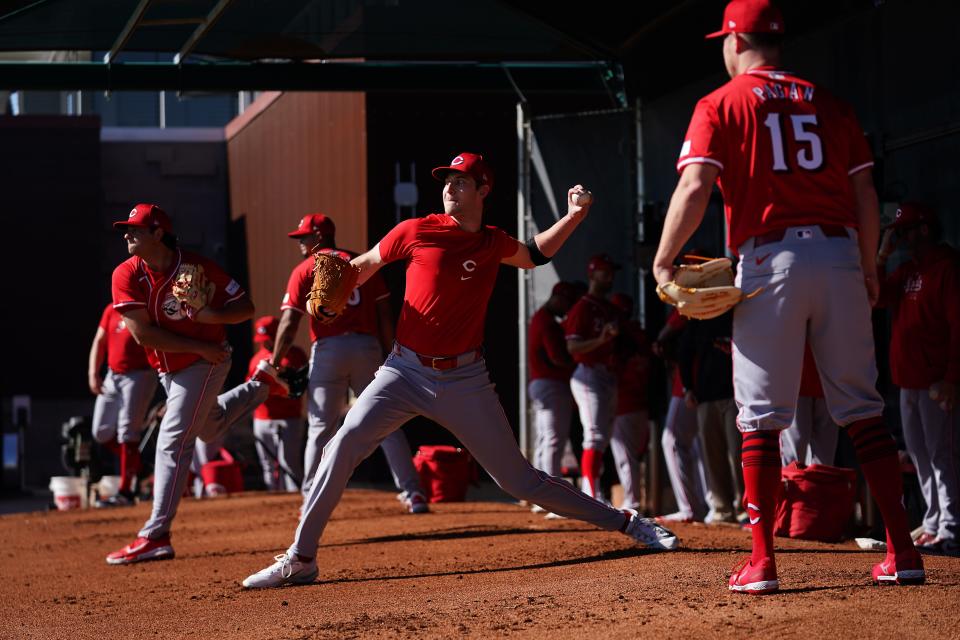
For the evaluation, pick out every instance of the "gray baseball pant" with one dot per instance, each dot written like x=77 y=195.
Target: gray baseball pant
x=812 y=438
x=464 y=401
x=930 y=433
x=812 y=289
x=122 y=404
x=193 y=411
x=280 y=442
x=631 y=439
x=684 y=460
x=552 y=412
x=336 y=364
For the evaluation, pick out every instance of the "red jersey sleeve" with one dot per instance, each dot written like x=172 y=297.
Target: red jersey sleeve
x=860 y=155
x=399 y=241
x=227 y=289
x=703 y=143
x=127 y=294
x=105 y=317
x=676 y=321
x=298 y=286
x=507 y=245
x=577 y=324
x=951 y=281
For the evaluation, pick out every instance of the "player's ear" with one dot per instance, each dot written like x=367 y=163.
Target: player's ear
x=483 y=190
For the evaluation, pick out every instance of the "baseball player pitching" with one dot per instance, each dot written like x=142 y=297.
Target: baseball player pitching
x=346 y=353
x=175 y=304
x=802 y=214
x=278 y=422
x=436 y=368
x=123 y=397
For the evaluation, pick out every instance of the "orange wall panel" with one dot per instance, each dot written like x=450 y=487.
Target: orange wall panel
x=290 y=154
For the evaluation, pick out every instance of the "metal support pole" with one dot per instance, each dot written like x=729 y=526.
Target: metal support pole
x=523 y=277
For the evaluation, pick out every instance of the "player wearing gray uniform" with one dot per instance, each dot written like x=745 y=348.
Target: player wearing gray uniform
x=549 y=366
x=802 y=213
x=590 y=329
x=345 y=356
x=437 y=368
x=680 y=441
x=189 y=351
x=925 y=363
x=123 y=397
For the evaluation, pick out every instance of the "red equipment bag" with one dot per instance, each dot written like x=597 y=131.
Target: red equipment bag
x=816 y=502
x=222 y=476
x=445 y=472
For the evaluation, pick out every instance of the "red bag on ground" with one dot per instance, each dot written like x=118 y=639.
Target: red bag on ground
x=816 y=502
x=222 y=476
x=444 y=472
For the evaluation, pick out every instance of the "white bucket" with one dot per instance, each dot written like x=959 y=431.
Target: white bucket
x=69 y=492
x=108 y=487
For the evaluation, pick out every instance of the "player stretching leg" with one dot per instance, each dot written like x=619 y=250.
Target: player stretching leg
x=437 y=369
x=802 y=214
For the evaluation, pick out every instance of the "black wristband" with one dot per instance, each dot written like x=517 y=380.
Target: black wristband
x=536 y=256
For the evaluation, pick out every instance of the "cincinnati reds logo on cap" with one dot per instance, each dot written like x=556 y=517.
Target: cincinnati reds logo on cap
x=731 y=24
x=133 y=212
x=456 y=161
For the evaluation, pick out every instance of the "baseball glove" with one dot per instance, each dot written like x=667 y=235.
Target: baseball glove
x=296 y=379
x=703 y=291
x=333 y=281
x=191 y=288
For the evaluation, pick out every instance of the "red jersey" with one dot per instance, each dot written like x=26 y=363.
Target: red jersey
x=450 y=277
x=585 y=321
x=135 y=286
x=123 y=352
x=923 y=299
x=546 y=347
x=275 y=407
x=360 y=314
x=785 y=149
x=633 y=369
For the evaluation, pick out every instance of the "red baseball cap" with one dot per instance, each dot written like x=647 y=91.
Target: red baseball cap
x=750 y=16
x=314 y=223
x=265 y=328
x=911 y=214
x=623 y=302
x=146 y=215
x=565 y=290
x=601 y=261
x=471 y=164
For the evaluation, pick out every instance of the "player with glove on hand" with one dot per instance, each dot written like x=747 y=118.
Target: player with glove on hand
x=352 y=329
x=437 y=367
x=793 y=165
x=152 y=290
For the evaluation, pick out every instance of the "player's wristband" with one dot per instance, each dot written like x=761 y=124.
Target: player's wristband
x=536 y=256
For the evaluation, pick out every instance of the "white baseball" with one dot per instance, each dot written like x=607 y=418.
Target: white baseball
x=582 y=198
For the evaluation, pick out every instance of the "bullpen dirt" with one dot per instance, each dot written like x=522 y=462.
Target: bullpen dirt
x=475 y=569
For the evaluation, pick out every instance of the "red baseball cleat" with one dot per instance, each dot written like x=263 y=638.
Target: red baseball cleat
x=907 y=569
x=143 y=549
x=755 y=579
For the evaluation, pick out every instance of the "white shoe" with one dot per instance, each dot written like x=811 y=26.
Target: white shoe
x=414 y=502
x=285 y=570
x=649 y=533
x=554 y=516
x=537 y=509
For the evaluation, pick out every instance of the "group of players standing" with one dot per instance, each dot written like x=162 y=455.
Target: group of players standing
x=792 y=164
